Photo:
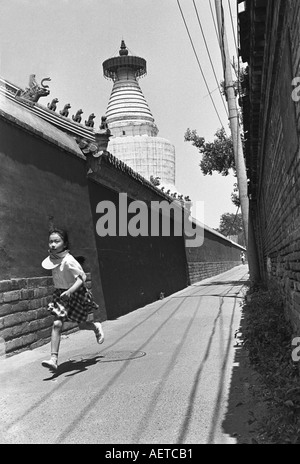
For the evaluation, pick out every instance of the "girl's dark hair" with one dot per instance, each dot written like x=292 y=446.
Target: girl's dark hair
x=63 y=234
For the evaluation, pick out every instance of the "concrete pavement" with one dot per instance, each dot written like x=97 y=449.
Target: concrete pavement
x=162 y=375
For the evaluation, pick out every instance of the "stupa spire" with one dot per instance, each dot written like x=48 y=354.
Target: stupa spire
x=123 y=49
x=127 y=112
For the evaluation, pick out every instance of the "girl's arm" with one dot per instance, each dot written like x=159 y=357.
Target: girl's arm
x=73 y=288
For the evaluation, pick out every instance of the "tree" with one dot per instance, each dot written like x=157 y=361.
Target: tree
x=217 y=156
x=235 y=196
x=232 y=224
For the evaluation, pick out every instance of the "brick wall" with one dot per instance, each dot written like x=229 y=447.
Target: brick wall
x=214 y=256
x=277 y=205
x=25 y=322
x=202 y=270
x=280 y=199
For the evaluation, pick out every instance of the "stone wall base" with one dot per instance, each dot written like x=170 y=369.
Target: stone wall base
x=25 y=322
x=203 y=270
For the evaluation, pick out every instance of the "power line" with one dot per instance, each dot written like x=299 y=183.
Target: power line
x=235 y=42
x=237 y=72
x=222 y=42
x=207 y=49
x=212 y=14
x=217 y=88
x=187 y=29
x=238 y=47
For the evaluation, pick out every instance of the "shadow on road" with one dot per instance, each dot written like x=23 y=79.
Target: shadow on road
x=185 y=425
x=240 y=421
x=74 y=366
x=226 y=282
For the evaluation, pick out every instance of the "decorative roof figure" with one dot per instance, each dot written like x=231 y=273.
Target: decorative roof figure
x=32 y=82
x=77 y=117
x=52 y=105
x=65 y=110
x=35 y=91
x=155 y=180
x=90 y=121
x=104 y=126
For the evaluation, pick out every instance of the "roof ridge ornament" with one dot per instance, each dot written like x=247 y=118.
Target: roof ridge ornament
x=52 y=106
x=90 y=121
x=65 y=111
x=77 y=116
x=35 y=91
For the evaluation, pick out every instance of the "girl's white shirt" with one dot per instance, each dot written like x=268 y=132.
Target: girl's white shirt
x=67 y=272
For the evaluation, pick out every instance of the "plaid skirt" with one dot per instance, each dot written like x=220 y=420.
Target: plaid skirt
x=76 y=308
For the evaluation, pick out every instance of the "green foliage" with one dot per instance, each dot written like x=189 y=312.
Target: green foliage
x=267 y=337
x=231 y=224
x=235 y=196
x=217 y=155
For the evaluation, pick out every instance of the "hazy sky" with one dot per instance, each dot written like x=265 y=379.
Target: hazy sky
x=67 y=40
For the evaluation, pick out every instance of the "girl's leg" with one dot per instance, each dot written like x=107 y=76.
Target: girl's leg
x=56 y=336
x=55 y=342
x=96 y=327
x=87 y=325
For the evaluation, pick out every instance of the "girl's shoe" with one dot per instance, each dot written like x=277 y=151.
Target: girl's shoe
x=51 y=364
x=99 y=333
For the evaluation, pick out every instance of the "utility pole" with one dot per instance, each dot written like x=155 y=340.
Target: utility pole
x=237 y=146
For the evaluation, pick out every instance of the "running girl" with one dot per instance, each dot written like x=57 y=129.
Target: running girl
x=71 y=299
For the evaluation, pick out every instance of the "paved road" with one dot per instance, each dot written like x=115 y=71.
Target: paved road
x=162 y=375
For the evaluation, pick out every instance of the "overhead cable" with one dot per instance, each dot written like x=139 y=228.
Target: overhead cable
x=213 y=17
x=207 y=49
x=233 y=31
x=200 y=67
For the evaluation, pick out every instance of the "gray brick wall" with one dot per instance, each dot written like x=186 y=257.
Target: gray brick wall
x=203 y=270
x=278 y=201
x=25 y=322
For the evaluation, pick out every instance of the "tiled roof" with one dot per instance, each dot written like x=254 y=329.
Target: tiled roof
x=21 y=115
x=58 y=129
x=63 y=123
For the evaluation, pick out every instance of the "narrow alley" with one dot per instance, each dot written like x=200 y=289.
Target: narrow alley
x=162 y=375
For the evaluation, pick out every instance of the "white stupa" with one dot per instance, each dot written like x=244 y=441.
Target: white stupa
x=134 y=133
